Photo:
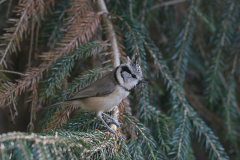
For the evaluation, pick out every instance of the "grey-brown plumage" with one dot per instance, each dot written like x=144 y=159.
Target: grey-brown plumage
x=108 y=91
x=98 y=88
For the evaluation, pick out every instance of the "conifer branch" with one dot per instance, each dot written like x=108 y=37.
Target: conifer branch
x=230 y=116
x=216 y=68
x=205 y=19
x=79 y=35
x=2 y=151
x=229 y=92
x=60 y=117
x=24 y=149
x=143 y=12
x=143 y=88
x=77 y=10
x=185 y=35
x=13 y=72
x=14 y=36
x=73 y=87
x=132 y=33
x=187 y=108
x=22 y=26
x=72 y=33
x=130 y=9
x=37 y=36
x=63 y=144
x=31 y=42
x=65 y=64
x=181 y=135
x=9 y=7
x=34 y=106
x=206 y=135
x=2 y=1
x=160 y=131
x=150 y=143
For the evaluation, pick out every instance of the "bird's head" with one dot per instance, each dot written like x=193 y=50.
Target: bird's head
x=129 y=74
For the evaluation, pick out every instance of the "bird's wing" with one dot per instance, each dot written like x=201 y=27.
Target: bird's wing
x=101 y=87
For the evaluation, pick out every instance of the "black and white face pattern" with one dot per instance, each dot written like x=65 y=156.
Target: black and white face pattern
x=129 y=75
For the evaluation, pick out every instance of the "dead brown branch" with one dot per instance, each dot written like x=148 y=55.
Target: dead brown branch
x=80 y=33
x=79 y=8
x=14 y=35
x=60 y=117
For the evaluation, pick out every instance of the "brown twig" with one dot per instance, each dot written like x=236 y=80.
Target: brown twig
x=130 y=9
x=2 y=1
x=13 y=72
x=60 y=117
x=36 y=38
x=143 y=13
x=167 y=4
x=34 y=105
x=9 y=7
x=21 y=26
x=31 y=42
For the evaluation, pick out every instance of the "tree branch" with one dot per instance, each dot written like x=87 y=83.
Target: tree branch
x=13 y=72
x=110 y=33
x=166 y=4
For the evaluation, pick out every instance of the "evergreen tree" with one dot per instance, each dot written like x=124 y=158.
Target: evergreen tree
x=189 y=52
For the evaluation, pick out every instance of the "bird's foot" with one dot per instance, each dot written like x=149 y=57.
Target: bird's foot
x=111 y=130
x=114 y=122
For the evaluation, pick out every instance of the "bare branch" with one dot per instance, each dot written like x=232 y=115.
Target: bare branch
x=114 y=47
x=110 y=32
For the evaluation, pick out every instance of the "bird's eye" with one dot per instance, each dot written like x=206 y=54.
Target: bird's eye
x=133 y=75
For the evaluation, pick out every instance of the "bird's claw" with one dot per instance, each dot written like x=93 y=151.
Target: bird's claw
x=112 y=131
x=114 y=122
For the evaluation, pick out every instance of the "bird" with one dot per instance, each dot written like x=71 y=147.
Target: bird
x=108 y=91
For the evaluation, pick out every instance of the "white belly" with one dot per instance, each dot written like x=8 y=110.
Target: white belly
x=105 y=103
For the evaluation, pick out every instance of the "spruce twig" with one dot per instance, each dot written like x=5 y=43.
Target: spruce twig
x=183 y=41
x=13 y=72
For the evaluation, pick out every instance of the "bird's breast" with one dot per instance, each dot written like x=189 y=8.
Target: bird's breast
x=104 y=103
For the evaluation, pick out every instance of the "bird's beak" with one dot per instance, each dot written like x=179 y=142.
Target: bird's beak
x=142 y=80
